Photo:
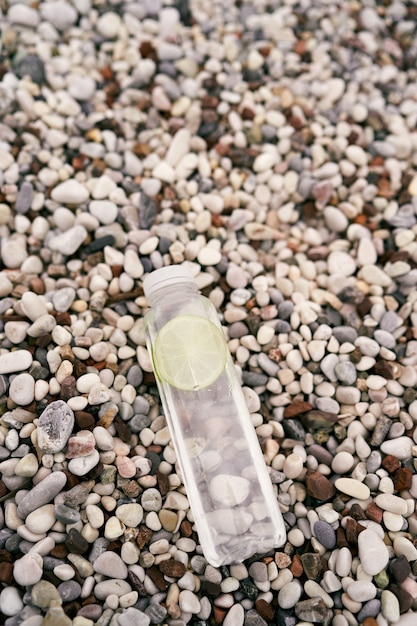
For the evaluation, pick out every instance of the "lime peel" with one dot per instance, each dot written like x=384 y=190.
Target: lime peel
x=189 y=352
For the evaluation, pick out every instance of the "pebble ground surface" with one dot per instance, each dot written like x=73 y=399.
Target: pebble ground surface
x=272 y=148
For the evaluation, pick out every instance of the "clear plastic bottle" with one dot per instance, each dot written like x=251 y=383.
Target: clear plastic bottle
x=231 y=497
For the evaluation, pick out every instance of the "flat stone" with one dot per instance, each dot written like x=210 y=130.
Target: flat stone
x=115 y=586
x=43 y=593
x=15 y=361
x=399 y=447
x=69 y=241
x=110 y=564
x=70 y=192
x=22 y=389
x=55 y=426
x=42 y=493
x=28 y=570
x=80 y=466
x=41 y=520
x=373 y=552
x=325 y=534
x=59 y=13
x=353 y=488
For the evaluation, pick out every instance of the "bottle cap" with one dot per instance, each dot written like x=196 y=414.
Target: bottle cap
x=165 y=277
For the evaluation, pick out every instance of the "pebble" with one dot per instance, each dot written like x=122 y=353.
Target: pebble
x=373 y=552
x=353 y=488
x=70 y=192
x=42 y=493
x=55 y=426
x=110 y=564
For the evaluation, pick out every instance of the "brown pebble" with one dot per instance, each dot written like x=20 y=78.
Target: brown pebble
x=390 y=463
x=369 y=621
x=60 y=551
x=37 y=285
x=144 y=536
x=282 y=560
x=357 y=512
x=403 y=478
x=84 y=420
x=353 y=530
x=219 y=614
x=172 y=568
x=296 y=566
x=341 y=538
x=80 y=368
x=157 y=577
x=312 y=565
x=374 y=513
x=296 y=408
x=319 y=487
x=186 y=528
x=163 y=483
x=68 y=388
x=137 y=584
x=6 y=571
x=3 y=489
x=264 y=609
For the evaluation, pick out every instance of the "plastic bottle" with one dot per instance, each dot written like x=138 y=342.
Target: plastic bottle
x=230 y=493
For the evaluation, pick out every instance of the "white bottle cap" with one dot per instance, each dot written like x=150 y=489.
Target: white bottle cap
x=165 y=277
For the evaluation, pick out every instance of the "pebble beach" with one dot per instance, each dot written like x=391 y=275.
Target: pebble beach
x=271 y=147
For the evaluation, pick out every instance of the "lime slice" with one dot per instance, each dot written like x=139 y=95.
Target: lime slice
x=189 y=352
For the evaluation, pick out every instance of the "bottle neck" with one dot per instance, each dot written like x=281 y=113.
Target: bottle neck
x=178 y=291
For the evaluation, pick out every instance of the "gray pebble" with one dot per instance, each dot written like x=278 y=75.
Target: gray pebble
x=373 y=462
x=139 y=422
x=42 y=493
x=55 y=427
x=259 y=571
x=369 y=609
x=156 y=613
x=24 y=198
x=69 y=590
x=346 y=372
x=389 y=321
x=384 y=338
x=325 y=534
x=345 y=334
x=66 y=514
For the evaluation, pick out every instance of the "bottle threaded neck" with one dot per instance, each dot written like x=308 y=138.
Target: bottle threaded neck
x=165 y=277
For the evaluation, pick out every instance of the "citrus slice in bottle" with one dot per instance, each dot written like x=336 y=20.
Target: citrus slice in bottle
x=189 y=352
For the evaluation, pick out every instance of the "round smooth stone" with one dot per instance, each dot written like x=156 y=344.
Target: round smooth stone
x=373 y=553
x=110 y=564
x=352 y=487
x=41 y=520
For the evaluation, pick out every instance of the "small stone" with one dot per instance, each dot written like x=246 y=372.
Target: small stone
x=80 y=466
x=312 y=610
x=43 y=593
x=373 y=552
x=353 y=488
x=22 y=389
x=70 y=192
x=188 y=602
x=399 y=447
x=15 y=361
x=319 y=487
x=59 y=13
x=55 y=426
x=29 y=569
x=42 y=493
x=325 y=534
x=229 y=490
x=110 y=564
x=114 y=586
x=41 y=520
